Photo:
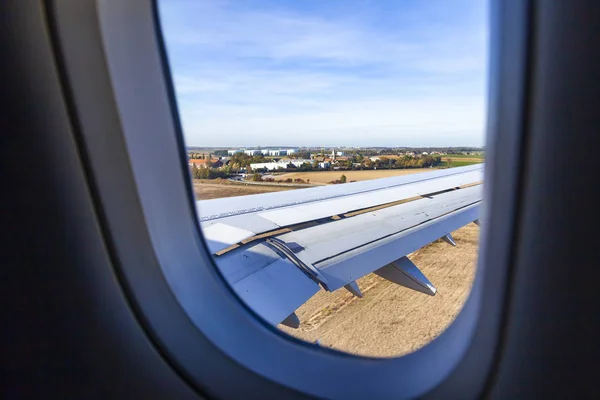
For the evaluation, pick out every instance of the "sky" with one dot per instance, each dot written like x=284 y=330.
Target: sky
x=329 y=72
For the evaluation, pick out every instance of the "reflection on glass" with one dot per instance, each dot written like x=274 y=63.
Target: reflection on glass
x=336 y=150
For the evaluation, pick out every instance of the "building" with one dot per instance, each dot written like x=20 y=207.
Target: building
x=339 y=153
x=280 y=152
x=324 y=164
x=264 y=152
x=198 y=162
x=273 y=166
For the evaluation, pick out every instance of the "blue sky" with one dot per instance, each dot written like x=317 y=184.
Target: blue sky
x=329 y=72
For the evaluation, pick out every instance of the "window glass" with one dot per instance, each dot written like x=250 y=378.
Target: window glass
x=297 y=106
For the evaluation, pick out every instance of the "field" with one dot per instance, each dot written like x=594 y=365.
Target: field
x=479 y=157
x=323 y=177
x=205 y=191
x=459 y=163
x=461 y=160
x=391 y=320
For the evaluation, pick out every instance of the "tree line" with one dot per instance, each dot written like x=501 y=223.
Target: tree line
x=242 y=161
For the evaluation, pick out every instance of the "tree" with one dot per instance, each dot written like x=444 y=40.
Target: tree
x=343 y=178
x=202 y=173
x=194 y=171
x=257 y=177
x=302 y=155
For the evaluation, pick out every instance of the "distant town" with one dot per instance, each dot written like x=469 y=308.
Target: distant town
x=259 y=164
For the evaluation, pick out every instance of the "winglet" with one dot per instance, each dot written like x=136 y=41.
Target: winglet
x=448 y=239
x=403 y=272
x=353 y=288
x=292 y=321
x=476 y=222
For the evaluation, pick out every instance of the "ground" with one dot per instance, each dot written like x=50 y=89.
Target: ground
x=323 y=177
x=389 y=320
x=205 y=191
x=472 y=160
x=461 y=160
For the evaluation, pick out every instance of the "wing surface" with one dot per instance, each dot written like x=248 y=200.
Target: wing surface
x=278 y=249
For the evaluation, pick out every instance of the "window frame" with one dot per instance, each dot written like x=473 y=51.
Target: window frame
x=113 y=61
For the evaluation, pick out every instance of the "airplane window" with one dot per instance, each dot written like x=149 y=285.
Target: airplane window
x=337 y=150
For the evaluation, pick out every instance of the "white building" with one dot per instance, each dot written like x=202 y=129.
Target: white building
x=324 y=165
x=339 y=153
x=280 y=152
x=274 y=166
x=265 y=152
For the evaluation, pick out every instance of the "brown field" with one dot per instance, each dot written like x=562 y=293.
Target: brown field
x=391 y=320
x=324 y=177
x=205 y=191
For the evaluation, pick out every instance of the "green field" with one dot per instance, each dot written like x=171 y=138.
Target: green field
x=459 y=163
x=461 y=160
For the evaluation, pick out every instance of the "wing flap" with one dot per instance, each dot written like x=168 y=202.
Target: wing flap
x=332 y=239
x=356 y=263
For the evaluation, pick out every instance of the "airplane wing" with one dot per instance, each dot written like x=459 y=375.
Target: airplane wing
x=278 y=249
